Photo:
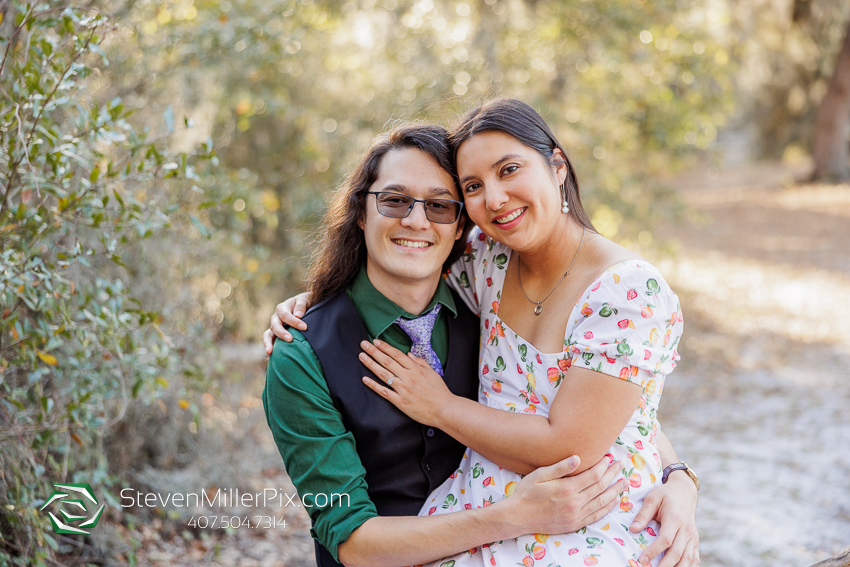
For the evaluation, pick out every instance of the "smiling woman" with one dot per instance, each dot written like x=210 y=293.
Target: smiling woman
x=521 y=135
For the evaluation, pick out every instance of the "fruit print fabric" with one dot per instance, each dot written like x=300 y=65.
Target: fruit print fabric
x=627 y=325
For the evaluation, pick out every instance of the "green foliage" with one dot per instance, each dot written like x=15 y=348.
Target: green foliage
x=79 y=186
x=293 y=90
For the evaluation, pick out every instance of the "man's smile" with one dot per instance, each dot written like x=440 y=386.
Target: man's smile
x=407 y=243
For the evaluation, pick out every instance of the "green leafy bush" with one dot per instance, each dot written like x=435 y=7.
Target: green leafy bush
x=79 y=186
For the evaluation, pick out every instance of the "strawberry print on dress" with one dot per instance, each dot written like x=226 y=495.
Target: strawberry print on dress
x=626 y=325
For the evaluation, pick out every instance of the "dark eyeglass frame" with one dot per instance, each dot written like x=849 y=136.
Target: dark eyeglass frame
x=413 y=202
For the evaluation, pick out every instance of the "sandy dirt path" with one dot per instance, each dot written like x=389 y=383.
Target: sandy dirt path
x=760 y=405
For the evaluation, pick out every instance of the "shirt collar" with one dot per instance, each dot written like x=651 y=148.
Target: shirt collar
x=378 y=312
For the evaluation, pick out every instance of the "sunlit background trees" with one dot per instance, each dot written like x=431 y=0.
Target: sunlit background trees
x=163 y=165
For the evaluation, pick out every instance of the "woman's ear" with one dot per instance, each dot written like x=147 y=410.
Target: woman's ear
x=559 y=165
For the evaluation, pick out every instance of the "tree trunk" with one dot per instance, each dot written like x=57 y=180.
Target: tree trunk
x=802 y=11
x=831 y=151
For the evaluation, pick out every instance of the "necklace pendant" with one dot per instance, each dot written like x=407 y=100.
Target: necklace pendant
x=538 y=310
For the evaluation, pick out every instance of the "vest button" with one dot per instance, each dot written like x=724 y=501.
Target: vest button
x=430 y=432
x=430 y=466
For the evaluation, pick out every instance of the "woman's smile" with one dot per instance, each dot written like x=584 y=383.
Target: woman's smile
x=509 y=220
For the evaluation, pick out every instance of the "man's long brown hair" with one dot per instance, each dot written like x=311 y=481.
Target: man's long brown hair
x=341 y=248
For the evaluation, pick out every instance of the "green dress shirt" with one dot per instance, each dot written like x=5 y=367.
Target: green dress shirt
x=319 y=453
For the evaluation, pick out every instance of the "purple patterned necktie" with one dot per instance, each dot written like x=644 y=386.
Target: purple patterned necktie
x=419 y=331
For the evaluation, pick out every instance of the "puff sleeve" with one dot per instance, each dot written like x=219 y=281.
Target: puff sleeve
x=627 y=324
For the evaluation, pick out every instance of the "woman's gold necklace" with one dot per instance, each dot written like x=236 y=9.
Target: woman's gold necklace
x=539 y=304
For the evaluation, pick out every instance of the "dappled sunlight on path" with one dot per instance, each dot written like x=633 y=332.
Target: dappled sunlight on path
x=745 y=296
x=760 y=404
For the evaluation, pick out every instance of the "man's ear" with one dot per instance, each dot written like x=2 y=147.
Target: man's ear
x=461 y=225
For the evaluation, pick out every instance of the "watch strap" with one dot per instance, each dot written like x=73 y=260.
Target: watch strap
x=680 y=467
x=672 y=468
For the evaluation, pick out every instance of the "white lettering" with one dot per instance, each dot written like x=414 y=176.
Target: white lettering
x=212 y=502
x=273 y=496
x=130 y=498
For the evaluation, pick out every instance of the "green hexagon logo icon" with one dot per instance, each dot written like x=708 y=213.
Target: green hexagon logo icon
x=80 y=498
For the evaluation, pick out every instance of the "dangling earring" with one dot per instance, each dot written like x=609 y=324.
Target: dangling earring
x=565 y=208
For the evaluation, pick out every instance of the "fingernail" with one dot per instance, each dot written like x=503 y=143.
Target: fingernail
x=644 y=561
x=299 y=313
x=364 y=344
x=633 y=525
x=377 y=342
x=302 y=326
x=572 y=461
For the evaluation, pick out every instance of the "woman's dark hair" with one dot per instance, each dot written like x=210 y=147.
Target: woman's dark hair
x=341 y=248
x=518 y=120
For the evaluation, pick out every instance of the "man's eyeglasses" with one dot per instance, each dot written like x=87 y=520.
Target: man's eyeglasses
x=398 y=206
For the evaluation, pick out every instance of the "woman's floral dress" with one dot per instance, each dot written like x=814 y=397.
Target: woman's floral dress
x=627 y=324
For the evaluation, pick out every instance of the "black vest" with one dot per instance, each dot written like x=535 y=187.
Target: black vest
x=404 y=460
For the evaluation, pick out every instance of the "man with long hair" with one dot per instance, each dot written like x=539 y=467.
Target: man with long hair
x=364 y=469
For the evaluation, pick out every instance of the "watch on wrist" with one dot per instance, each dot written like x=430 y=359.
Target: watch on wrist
x=680 y=467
